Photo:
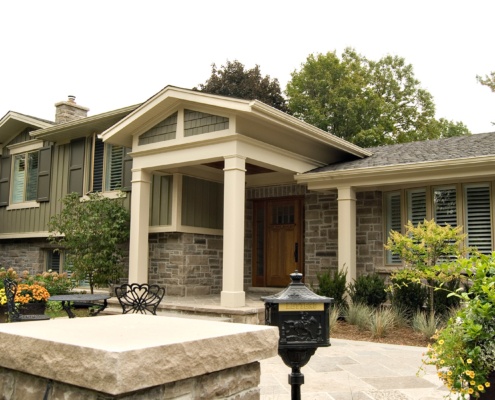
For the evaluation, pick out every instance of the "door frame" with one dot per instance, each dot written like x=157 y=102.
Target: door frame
x=260 y=223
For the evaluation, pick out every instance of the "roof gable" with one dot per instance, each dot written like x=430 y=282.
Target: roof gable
x=13 y=123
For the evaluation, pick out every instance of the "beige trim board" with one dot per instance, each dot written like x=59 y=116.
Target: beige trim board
x=464 y=168
x=24 y=235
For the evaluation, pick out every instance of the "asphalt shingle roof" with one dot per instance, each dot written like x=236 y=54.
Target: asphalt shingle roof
x=482 y=144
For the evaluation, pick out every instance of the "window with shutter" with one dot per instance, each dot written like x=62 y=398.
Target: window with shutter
x=393 y=221
x=114 y=167
x=416 y=205
x=445 y=206
x=25 y=177
x=109 y=167
x=478 y=218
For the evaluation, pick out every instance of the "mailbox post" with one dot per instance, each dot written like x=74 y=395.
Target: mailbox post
x=302 y=318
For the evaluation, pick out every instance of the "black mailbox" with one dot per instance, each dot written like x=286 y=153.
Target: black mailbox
x=302 y=318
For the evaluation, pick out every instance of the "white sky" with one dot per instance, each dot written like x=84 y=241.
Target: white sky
x=116 y=53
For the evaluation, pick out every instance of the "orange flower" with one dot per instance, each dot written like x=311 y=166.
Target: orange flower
x=31 y=294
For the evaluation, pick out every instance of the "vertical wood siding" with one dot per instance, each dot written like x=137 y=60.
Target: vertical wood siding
x=161 y=201
x=202 y=203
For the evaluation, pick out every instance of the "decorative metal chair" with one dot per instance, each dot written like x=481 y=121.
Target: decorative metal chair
x=14 y=315
x=139 y=298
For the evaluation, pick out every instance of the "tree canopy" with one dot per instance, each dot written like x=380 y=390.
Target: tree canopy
x=234 y=80
x=488 y=80
x=366 y=102
x=91 y=233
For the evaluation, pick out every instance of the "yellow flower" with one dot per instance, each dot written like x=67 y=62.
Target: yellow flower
x=449 y=373
x=470 y=391
x=487 y=384
x=441 y=341
x=472 y=383
x=469 y=361
x=480 y=387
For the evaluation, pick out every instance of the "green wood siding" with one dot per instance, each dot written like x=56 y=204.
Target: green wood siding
x=32 y=220
x=197 y=123
x=161 y=200
x=165 y=130
x=202 y=203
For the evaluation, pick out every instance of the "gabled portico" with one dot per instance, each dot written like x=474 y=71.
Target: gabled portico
x=236 y=143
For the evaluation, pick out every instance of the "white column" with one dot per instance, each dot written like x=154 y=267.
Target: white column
x=140 y=216
x=233 y=232
x=347 y=231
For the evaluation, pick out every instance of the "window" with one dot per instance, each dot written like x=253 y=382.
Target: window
x=25 y=177
x=53 y=261
x=107 y=168
x=477 y=223
x=416 y=205
x=445 y=206
x=468 y=205
x=393 y=222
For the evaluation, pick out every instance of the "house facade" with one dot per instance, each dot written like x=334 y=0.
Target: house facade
x=226 y=194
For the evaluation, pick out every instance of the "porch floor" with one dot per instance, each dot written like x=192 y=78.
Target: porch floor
x=209 y=307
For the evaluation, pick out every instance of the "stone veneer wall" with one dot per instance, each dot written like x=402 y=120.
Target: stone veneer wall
x=239 y=383
x=187 y=264
x=24 y=254
x=321 y=233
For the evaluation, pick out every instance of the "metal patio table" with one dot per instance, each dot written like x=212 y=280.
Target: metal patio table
x=67 y=299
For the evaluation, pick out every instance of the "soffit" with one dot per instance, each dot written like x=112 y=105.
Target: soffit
x=12 y=124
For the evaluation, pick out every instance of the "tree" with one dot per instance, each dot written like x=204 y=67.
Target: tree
x=422 y=248
x=233 y=80
x=91 y=233
x=488 y=80
x=366 y=102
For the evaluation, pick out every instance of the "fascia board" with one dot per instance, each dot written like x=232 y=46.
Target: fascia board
x=170 y=96
x=463 y=168
x=12 y=123
x=289 y=121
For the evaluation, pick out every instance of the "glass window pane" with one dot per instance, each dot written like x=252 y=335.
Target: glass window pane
x=19 y=178
x=393 y=217
x=114 y=162
x=445 y=206
x=416 y=206
x=478 y=218
x=32 y=176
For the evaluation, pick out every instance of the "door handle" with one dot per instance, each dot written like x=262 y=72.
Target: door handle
x=296 y=252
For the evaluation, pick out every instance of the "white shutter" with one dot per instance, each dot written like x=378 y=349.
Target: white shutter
x=115 y=160
x=416 y=206
x=393 y=221
x=19 y=178
x=478 y=218
x=445 y=206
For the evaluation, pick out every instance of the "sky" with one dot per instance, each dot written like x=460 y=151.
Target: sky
x=116 y=53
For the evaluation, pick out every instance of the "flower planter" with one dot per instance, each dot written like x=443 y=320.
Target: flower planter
x=32 y=308
x=490 y=391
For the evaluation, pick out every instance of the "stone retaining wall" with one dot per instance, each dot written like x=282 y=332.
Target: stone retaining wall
x=239 y=383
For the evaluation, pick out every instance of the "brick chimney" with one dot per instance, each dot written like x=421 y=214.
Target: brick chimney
x=67 y=111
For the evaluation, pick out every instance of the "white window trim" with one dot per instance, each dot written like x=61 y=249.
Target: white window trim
x=25 y=204
x=25 y=147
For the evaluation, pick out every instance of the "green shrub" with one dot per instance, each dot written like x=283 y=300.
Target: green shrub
x=333 y=284
x=443 y=303
x=382 y=321
x=359 y=315
x=368 y=290
x=426 y=324
x=410 y=297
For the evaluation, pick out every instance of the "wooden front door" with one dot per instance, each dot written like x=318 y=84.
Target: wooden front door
x=278 y=241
